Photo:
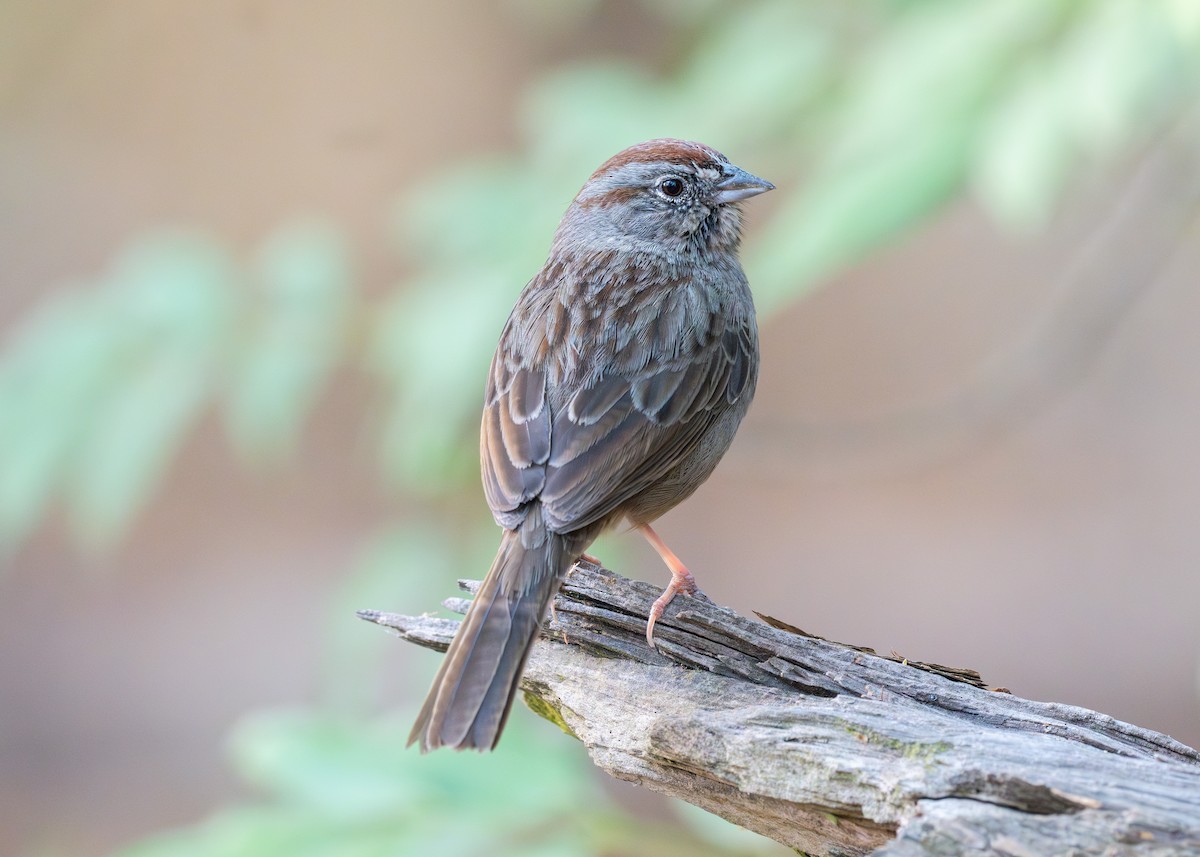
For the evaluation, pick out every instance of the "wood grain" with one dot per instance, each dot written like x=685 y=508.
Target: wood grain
x=831 y=749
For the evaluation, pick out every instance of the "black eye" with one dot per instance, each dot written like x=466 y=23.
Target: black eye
x=671 y=187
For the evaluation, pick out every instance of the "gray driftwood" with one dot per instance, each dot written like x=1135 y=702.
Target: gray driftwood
x=831 y=749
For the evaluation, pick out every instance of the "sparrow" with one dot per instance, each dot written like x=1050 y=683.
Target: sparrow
x=618 y=383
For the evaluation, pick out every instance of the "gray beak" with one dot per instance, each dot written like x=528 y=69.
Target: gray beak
x=738 y=185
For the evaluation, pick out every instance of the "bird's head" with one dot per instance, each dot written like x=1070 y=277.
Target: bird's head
x=677 y=196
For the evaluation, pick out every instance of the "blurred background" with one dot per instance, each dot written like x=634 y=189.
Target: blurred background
x=255 y=256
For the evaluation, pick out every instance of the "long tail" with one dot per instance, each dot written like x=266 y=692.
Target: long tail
x=474 y=690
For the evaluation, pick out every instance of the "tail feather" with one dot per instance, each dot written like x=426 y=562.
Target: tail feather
x=477 y=683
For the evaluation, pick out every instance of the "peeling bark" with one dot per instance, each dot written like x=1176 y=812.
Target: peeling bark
x=832 y=749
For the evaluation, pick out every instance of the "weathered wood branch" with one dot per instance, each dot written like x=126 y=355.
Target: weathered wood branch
x=831 y=749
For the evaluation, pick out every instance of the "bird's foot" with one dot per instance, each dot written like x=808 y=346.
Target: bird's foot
x=681 y=581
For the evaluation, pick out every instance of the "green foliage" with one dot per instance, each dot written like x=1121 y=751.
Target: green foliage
x=866 y=136
x=434 y=553
x=870 y=117
x=292 y=340
x=334 y=788
x=99 y=386
x=1119 y=69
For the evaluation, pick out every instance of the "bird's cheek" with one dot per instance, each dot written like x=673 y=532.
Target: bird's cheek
x=696 y=215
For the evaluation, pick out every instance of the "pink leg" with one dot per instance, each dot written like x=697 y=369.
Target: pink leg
x=681 y=580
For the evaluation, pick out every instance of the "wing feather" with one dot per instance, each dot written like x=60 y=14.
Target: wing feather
x=642 y=437
x=608 y=420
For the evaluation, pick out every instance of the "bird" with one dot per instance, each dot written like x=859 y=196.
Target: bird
x=617 y=385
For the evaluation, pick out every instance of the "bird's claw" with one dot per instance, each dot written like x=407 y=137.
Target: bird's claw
x=681 y=582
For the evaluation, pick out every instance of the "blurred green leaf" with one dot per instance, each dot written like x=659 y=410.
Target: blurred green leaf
x=584 y=113
x=840 y=218
x=406 y=568
x=342 y=769
x=171 y=298
x=346 y=787
x=931 y=71
x=1105 y=73
x=97 y=388
x=1026 y=156
x=901 y=143
x=484 y=215
x=435 y=401
x=333 y=787
x=294 y=338
x=131 y=442
x=1184 y=19
x=1077 y=103
x=744 y=91
x=53 y=375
